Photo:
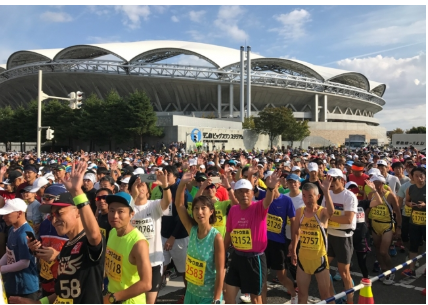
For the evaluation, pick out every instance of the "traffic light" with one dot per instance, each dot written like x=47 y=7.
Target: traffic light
x=72 y=97
x=80 y=96
x=49 y=134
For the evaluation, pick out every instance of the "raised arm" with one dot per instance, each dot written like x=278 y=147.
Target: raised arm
x=162 y=181
x=186 y=220
x=325 y=187
x=271 y=183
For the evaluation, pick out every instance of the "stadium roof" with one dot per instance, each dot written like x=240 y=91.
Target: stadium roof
x=220 y=57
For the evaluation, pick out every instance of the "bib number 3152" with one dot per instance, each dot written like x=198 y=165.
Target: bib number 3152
x=241 y=239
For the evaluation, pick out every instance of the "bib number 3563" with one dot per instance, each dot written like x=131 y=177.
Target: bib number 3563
x=241 y=239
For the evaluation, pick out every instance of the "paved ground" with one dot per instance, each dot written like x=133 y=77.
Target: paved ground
x=404 y=291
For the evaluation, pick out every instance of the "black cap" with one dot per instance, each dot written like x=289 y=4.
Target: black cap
x=13 y=175
x=30 y=168
x=200 y=177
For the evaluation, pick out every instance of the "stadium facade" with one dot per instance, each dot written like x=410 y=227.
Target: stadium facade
x=336 y=102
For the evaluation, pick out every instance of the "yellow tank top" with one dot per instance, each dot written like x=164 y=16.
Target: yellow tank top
x=382 y=212
x=121 y=273
x=313 y=238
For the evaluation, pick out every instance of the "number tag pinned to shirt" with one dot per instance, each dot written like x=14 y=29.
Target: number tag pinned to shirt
x=310 y=239
x=241 y=239
x=45 y=269
x=419 y=218
x=195 y=271
x=145 y=226
x=274 y=223
x=113 y=264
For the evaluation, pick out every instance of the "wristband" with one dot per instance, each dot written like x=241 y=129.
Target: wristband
x=80 y=199
x=270 y=189
x=44 y=300
x=81 y=205
x=167 y=188
x=228 y=189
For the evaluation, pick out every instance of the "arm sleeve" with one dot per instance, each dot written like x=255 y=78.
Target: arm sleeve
x=15 y=267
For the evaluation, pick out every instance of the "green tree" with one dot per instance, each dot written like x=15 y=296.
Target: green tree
x=8 y=130
x=248 y=123
x=62 y=119
x=296 y=131
x=142 y=118
x=419 y=129
x=273 y=122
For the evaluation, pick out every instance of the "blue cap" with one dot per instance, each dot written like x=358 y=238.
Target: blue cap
x=55 y=189
x=68 y=169
x=293 y=177
x=349 y=163
x=120 y=197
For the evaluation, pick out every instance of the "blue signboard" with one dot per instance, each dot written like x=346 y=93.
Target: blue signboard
x=196 y=135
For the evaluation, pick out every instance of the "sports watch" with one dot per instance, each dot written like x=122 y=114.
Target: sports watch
x=112 y=299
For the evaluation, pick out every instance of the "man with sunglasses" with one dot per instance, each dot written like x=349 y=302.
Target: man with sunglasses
x=102 y=211
x=18 y=267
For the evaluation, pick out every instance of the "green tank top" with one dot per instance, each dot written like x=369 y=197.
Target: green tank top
x=200 y=264
x=121 y=273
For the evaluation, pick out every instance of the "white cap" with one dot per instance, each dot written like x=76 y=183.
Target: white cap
x=259 y=165
x=210 y=163
x=295 y=168
x=222 y=161
x=127 y=159
x=192 y=162
x=335 y=172
x=13 y=205
x=243 y=184
x=348 y=184
x=7 y=181
x=374 y=171
x=312 y=166
x=90 y=177
x=287 y=164
x=332 y=156
x=125 y=180
x=268 y=173
x=378 y=178
x=256 y=159
x=277 y=160
x=124 y=162
x=382 y=162
x=38 y=183
x=138 y=171
x=91 y=166
x=49 y=176
x=406 y=156
x=201 y=166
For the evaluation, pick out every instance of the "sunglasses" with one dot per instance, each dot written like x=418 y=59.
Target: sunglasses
x=211 y=186
x=101 y=197
x=47 y=197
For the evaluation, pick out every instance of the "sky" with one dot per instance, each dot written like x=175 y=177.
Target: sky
x=385 y=43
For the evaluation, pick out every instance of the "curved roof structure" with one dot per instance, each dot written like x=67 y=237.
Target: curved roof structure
x=221 y=57
x=2 y=68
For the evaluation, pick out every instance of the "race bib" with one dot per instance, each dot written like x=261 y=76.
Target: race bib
x=408 y=210
x=288 y=221
x=103 y=232
x=113 y=264
x=274 y=223
x=361 y=215
x=310 y=239
x=380 y=211
x=11 y=259
x=219 y=219
x=419 y=218
x=59 y=300
x=195 y=271
x=334 y=224
x=45 y=269
x=241 y=239
x=145 y=226
x=30 y=222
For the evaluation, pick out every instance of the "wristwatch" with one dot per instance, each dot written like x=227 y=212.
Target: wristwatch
x=112 y=299
x=166 y=188
x=216 y=302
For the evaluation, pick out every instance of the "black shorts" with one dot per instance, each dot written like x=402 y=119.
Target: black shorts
x=340 y=248
x=417 y=235
x=405 y=221
x=247 y=273
x=156 y=278
x=276 y=254
x=359 y=239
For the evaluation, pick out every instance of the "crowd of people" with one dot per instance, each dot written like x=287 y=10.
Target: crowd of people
x=106 y=227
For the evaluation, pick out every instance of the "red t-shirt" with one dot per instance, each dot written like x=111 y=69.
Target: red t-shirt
x=360 y=181
x=7 y=195
x=222 y=194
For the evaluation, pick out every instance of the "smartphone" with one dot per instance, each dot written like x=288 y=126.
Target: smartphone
x=147 y=177
x=215 y=179
x=297 y=159
x=30 y=235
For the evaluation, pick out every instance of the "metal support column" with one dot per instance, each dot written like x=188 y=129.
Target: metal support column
x=219 y=101
x=39 y=116
x=248 y=82
x=231 y=100
x=324 y=110
x=315 y=109
x=241 y=86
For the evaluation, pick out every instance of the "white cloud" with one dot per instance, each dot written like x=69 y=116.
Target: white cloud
x=405 y=98
x=227 y=23
x=196 y=35
x=98 y=10
x=174 y=19
x=292 y=24
x=99 y=39
x=196 y=16
x=55 y=17
x=133 y=13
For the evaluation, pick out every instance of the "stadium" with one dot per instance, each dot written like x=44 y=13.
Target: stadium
x=336 y=102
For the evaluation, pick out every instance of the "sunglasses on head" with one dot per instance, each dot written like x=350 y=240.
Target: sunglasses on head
x=101 y=197
x=211 y=186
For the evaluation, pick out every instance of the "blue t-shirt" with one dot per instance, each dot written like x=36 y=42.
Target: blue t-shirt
x=25 y=281
x=282 y=207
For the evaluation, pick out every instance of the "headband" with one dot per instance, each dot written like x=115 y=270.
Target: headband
x=357 y=168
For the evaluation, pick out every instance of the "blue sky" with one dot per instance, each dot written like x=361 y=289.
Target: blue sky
x=386 y=43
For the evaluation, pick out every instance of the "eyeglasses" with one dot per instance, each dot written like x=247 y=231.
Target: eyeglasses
x=47 y=197
x=101 y=197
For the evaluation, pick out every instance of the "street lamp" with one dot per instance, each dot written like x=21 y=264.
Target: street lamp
x=75 y=99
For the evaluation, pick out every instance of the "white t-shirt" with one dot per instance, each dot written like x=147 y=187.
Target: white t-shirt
x=148 y=220
x=393 y=183
x=297 y=203
x=344 y=201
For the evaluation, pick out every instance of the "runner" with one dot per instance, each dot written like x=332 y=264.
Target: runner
x=381 y=218
x=127 y=262
x=81 y=260
x=205 y=254
x=314 y=179
x=245 y=230
x=359 y=178
x=416 y=199
x=406 y=210
x=309 y=240
x=148 y=219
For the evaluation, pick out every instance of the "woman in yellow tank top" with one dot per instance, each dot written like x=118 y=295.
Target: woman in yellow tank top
x=308 y=233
